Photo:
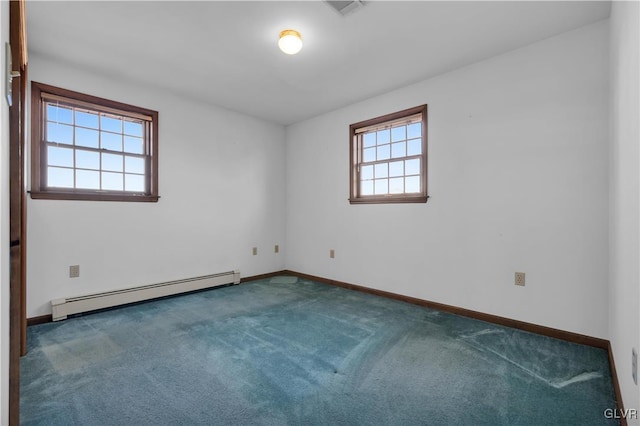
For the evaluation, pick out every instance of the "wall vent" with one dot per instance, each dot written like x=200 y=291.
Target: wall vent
x=345 y=7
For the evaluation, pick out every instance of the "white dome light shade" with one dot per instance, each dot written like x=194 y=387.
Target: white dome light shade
x=290 y=42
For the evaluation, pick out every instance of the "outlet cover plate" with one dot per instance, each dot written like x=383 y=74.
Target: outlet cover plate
x=519 y=279
x=74 y=271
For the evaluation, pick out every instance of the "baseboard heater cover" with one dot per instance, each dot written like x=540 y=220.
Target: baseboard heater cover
x=61 y=308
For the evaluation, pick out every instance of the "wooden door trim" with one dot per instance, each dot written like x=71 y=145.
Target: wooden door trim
x=17 y=205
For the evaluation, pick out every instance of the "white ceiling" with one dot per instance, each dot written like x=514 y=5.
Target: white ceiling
x=225 y=53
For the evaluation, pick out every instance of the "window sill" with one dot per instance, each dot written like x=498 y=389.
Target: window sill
x=389 y=200
x=81 y=196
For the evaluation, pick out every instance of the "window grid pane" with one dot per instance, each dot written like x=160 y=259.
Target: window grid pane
x=59 y=177
x=381 y=186
x=85 y=150
x=396 y=186
x=378 y=175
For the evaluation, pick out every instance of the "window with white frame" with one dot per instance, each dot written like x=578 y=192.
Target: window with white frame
x=389 y=158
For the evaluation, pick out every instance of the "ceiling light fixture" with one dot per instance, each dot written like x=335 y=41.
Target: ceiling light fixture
x=290 y=42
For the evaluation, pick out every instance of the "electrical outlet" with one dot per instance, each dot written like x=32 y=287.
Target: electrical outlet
x=255 y=251
x=332 y=254
x=634 y=365
x=74 y=271
x=519 y=279
x=276 y=249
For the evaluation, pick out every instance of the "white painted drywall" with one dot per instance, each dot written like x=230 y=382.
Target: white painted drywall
x=624 y=317
x=518 y=177
x=4 y=224
x=222 y=186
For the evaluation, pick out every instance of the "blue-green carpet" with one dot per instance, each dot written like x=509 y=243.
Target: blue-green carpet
x=273 y=352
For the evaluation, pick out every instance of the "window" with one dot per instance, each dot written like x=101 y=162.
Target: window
x=389 y=158
x=88 y=148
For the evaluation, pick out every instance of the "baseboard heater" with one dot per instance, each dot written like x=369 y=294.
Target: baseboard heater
x=61 y=308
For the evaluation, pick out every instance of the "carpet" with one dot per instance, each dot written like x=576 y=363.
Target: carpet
x=276 y=352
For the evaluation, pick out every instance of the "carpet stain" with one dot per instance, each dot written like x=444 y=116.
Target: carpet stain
x=78 y=353
x=499 y=341
x=483 y=333
x=592 y=375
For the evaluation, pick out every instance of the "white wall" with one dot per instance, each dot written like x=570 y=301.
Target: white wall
x=624 y=319
x=517 y=178
x=222 y=186
x=4 y=225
